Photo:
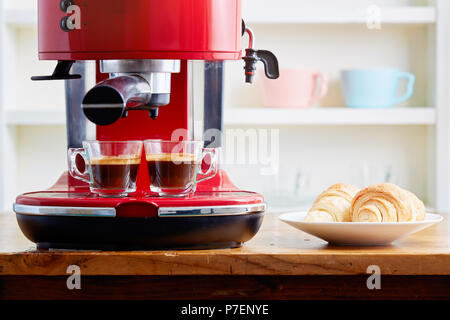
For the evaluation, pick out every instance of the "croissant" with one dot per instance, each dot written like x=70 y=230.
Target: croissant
x=386 y=202
x=333 y=205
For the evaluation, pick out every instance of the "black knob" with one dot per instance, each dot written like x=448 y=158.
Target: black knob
x=65 y=4
x=65 y=24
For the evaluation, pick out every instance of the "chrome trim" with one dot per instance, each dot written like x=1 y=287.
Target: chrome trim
x=65 y=211
x=140 y=66
x=76 y=122
x=162 y=212
x=211 y=211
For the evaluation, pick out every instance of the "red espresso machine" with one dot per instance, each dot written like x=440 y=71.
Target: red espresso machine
x=143 y=51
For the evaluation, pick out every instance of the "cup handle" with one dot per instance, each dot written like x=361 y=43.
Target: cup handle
x=409 y=87
x=212 y=166
x=72 y=154
x=323 y=86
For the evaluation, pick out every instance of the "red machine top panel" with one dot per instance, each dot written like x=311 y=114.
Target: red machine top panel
x=142 y=29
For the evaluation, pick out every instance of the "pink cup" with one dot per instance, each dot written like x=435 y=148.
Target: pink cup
x=294 y=89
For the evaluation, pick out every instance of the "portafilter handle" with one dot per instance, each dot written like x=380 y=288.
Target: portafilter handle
x=107 y=102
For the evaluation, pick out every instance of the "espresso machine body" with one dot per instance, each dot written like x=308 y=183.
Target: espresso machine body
x=143 y=51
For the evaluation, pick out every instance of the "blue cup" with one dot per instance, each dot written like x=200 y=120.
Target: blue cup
x=375 y=88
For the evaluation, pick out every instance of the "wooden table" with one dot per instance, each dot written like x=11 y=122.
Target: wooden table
x=279 y=263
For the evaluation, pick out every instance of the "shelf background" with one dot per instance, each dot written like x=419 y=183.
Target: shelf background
x=289 y=13
x=318 y=146
x=35 y=118
x=267 y=116
x=329 y=116
x=333 y=49
x=295 y=13
x=315 y=157
x=325 y=141
x=21 y=18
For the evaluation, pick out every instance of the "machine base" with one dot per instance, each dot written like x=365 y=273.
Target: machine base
x=105 y=233
x=68 y=216
x=117 y=247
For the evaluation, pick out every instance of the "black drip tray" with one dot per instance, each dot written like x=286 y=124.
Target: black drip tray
x=106 y=233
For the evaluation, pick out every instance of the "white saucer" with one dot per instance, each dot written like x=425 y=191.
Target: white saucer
x=358 y=233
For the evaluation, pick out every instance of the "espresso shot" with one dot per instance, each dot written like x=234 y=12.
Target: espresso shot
x=114 y=173
x=172 y=172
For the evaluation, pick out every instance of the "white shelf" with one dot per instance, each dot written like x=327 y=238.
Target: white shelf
x=18 y=18
x=31 y=117
x=295 y=15
x=271 y=116
x=330 y=116
x=339 y=15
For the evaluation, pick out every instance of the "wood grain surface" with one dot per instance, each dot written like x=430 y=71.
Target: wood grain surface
x=277 y=250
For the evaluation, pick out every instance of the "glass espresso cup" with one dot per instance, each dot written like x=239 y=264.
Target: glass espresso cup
x=110 y=167
x=174 y=166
